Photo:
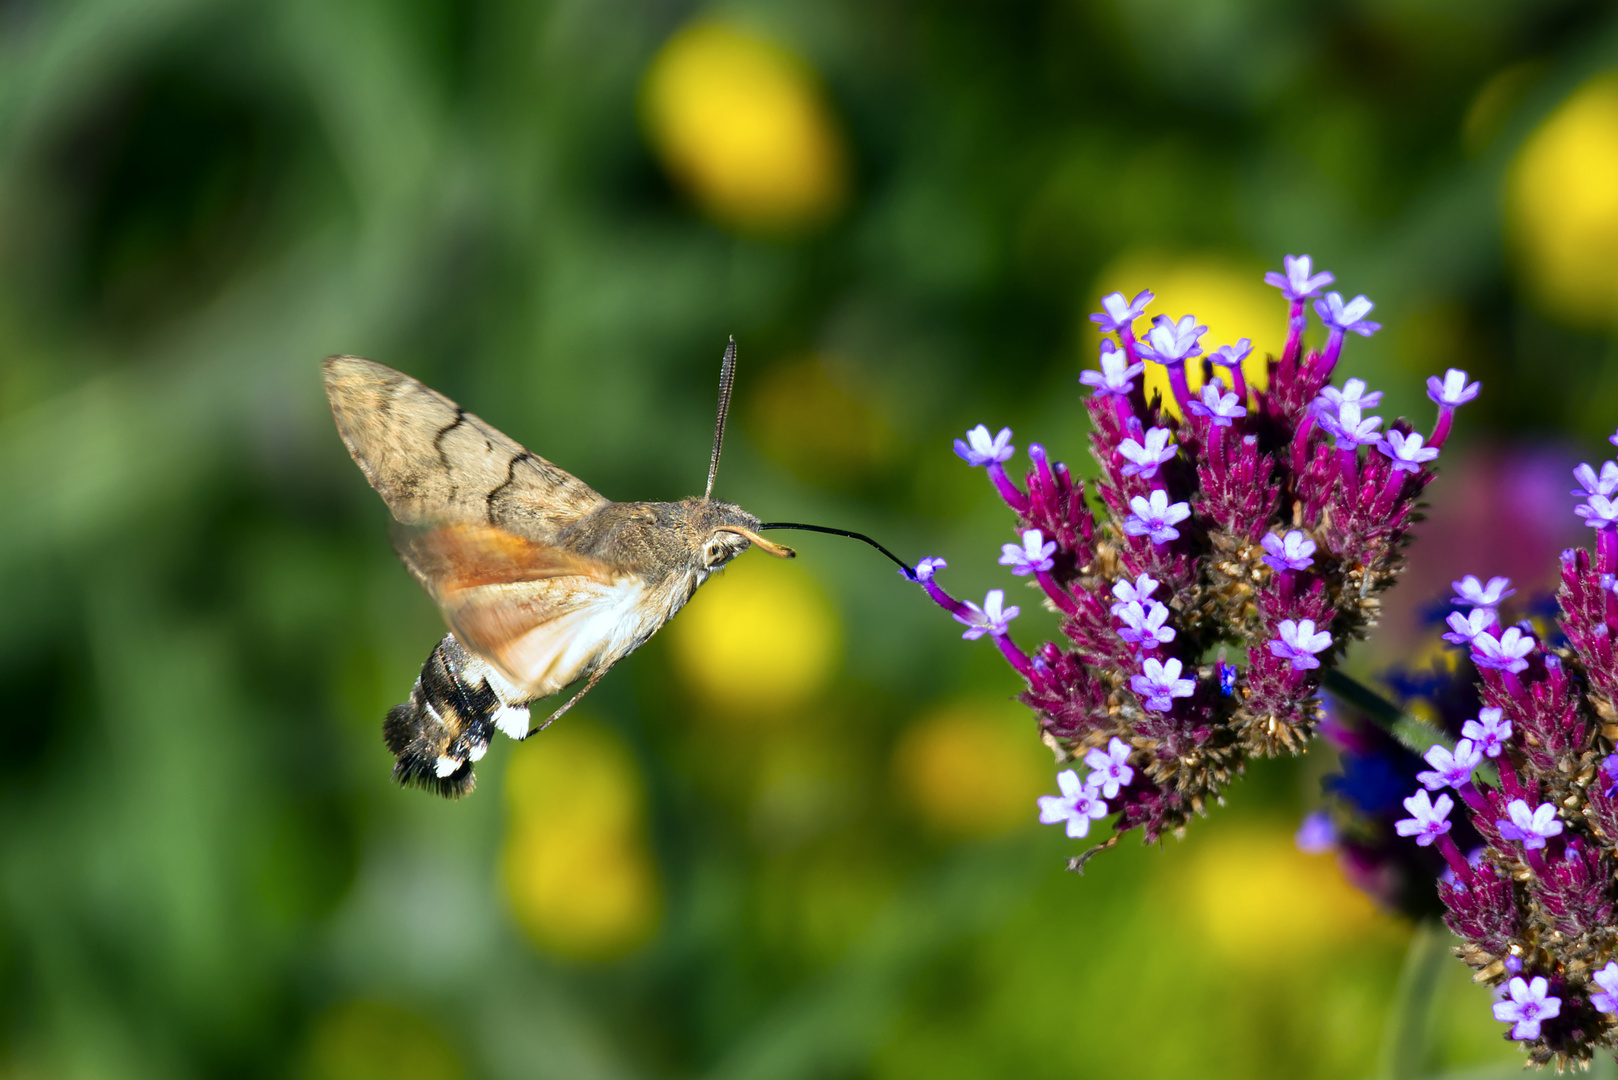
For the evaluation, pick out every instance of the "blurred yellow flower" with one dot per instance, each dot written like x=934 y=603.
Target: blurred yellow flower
x=973 y=769
x=807 y=417
x=1254 y=898
x=744 y=126
x=758 y=639
x=1562 y=207
x=577 y=866
x=367 y=1040
x=1227 y=295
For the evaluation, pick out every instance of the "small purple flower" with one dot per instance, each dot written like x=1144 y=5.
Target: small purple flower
x=1599 y=513
x=1607 y=979
x=1450 y=769
x=1317 y=835
x=1353 y=390
x=1161 y=684
x=1532 y=827
x=1346 y=317
x=1613 y=438
x=1297 y=283
x=1145 y=457
x=1231 y=356
x=1032 y=556
x=1407 y=451
x=1156 y=517
x=1299 y=642
x=1294 y=551
x=1428 y=818
x=1591 y=484
x=1508 y=652
x=1078 y=805
x=1610 y=767
x=1348 y=427
x=1227 y=678
x=1529 y=1004
x=1169 y=342
x=1109 y=768
x=1118 y=313
x=1133 y=592
x=1469 y=590
x=1489 y=731
x=1143 y=625
x=978 y=448
x=1117 y=374
x=928 y=567
x=1452 y=391
x=1463 y=628
x=1221 y=407
x=991 y=618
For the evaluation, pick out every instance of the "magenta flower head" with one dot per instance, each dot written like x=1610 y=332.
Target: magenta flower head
x=1117 y=374
x=1032 y=556
x=1155 y=516
x=1235 y=522
x=1429 y=818
x=1471 y=591
x=1160 y=683
x=1532 y=827
x=1077 y=806
x=991 y=618
x=979 y=448
x=1117 y=313
x=1145 y=457
x=1346 y=318
x=1299 y=642
x=1527 y=1005
x=1298 y=283
x=1221 y=408
x=1109 y=768
x=1171 y=343
x=1294 y=551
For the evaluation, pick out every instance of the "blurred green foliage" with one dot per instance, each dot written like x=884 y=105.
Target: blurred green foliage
x=204 y=870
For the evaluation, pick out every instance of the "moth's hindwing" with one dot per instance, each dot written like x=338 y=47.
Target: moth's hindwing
x=454 y=709
x=434 y=462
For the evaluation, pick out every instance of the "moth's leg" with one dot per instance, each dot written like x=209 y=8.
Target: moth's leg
x=595 y=677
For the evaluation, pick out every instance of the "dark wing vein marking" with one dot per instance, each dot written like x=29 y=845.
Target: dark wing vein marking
x=511 y=478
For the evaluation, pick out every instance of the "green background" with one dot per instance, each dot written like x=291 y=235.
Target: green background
x=204 y=869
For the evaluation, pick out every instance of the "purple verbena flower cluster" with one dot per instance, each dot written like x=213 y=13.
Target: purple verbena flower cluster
x=1265 y=520
x=1534 y=904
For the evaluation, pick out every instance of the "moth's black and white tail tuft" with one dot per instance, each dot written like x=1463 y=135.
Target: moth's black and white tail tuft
x=454 y=709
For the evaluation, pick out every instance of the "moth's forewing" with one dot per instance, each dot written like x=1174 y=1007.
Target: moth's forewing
x=435 y=463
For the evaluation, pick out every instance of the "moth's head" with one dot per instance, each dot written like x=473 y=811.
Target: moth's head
x=723 y=531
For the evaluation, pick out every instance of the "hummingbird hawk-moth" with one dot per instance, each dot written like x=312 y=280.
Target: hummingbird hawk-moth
x=543 y=581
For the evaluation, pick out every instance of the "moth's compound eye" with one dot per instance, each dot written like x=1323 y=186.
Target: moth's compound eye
x=713 y=554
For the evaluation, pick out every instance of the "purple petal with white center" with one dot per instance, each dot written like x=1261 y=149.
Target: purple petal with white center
x=1452 y=390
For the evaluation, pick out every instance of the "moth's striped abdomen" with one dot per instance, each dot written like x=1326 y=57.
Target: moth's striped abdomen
x=455 y=707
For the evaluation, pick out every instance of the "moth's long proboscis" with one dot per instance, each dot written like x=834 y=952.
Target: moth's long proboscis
x=727 y=378
x=910 y=571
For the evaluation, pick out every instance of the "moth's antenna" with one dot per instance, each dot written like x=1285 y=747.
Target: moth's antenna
x=727 y=379
x=906 y=567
